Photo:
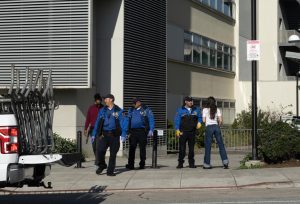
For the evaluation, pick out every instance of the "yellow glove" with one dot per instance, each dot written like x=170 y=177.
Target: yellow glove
x=198 y=125
x=178 y=133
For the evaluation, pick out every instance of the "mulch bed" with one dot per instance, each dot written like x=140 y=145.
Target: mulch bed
x=291 y=163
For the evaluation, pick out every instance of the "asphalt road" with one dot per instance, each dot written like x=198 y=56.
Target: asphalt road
x=208 y=196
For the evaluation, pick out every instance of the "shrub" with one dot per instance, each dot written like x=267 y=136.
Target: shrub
x=64 y=145
x=278 y=142
x=200 y=136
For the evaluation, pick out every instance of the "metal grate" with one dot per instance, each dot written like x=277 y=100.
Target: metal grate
x=145 y=55
x=46 y=33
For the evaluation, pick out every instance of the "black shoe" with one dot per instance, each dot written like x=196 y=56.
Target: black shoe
x=207 y=167
x=225 y=166
x=111 y=174
x=129 y=167
x=179 y=166
x=192 y=166
x=99 y=170
x=142 y=167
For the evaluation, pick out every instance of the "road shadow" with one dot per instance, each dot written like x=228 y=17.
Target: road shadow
x=94 y=195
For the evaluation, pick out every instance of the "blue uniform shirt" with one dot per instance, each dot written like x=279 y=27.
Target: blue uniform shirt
x=184 y=111
x=110 y=120
x=137 y=117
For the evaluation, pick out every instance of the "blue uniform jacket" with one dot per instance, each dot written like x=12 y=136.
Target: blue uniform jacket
x=109 y=120
x=184 y=111
x=137 y=117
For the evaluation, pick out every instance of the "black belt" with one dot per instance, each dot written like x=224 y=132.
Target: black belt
x=137 y=129
x=109 y=133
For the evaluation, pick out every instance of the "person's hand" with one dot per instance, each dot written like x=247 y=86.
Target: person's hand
x=85 y=133
x=123 y=139
x=92 y=139
x=178 y=133
x=198 y=125
x=150 y=133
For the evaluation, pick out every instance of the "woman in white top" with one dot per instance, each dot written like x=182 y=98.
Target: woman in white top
x=212 y=118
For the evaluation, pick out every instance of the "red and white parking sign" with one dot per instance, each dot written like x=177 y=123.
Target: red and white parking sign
x=253 y=50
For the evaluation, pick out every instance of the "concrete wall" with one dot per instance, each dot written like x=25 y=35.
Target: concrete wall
x=109 y=17
x=187 y=79
x=268 y=35
x=271 y=93
x=190 y=16
x=184 y=79
x=175 y=44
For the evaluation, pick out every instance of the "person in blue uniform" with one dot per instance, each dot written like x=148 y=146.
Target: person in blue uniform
x=109 y=127
x=140 y=126
x=188 y=118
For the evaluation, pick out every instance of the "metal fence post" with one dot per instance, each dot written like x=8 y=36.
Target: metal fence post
x=79 y=147
x=154 y=150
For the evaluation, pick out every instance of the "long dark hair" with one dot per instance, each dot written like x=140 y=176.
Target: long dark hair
x=212 y=106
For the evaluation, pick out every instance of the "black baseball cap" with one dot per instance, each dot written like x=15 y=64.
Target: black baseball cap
x=136 y=99
x=109 y=96
x=188 y=98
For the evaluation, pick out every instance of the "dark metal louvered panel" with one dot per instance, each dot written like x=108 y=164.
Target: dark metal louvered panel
x=291 y=9
x=145 y=55
x=49 y=33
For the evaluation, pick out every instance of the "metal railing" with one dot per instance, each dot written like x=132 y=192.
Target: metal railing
x=161 y=141
x=234 y=140
x=238 y=140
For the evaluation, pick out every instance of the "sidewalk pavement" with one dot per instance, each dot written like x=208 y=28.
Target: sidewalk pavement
x=166 y=177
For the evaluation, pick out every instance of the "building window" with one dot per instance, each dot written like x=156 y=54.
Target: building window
x=202 y=50
x=227 y=9
x=187 y=47
x=196 y=49
x=205 y=2
x=213 y=4
x=219 y=5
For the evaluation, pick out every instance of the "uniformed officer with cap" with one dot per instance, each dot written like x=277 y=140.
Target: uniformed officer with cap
x=108 y=129
x=188 y=119
x=140 y=126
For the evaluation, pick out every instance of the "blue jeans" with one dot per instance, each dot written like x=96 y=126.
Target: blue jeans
x=214 y=130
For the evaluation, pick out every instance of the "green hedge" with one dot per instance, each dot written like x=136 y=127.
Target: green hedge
x=278 y=142
x=64 y=145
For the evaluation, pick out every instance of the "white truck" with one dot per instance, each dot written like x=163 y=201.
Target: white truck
x=26 y=139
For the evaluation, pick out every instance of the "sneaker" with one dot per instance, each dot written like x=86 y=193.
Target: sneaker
x=129 y=167
x=142 y=167
x=192 y=166
x=99 y=170
x=180 y=166
x=225 y=166
x=111 y=174
x=207 y=167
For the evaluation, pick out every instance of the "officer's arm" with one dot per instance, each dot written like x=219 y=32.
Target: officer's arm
x=123 y=123
x=151 y=119
x=199 y=115
x=97 y=123
x=177 y=119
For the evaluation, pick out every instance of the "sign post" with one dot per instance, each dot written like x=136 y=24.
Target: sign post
x=253 y=54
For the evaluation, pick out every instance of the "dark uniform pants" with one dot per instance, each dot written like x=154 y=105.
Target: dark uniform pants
x=138 y=136
x=190 y=138
x=113 y=142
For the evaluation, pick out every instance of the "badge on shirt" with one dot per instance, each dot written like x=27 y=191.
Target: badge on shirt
x=115 y=114
x=194 y=113
x=143 y=113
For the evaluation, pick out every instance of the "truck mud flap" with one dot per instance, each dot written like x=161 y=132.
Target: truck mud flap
x=69 y=159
